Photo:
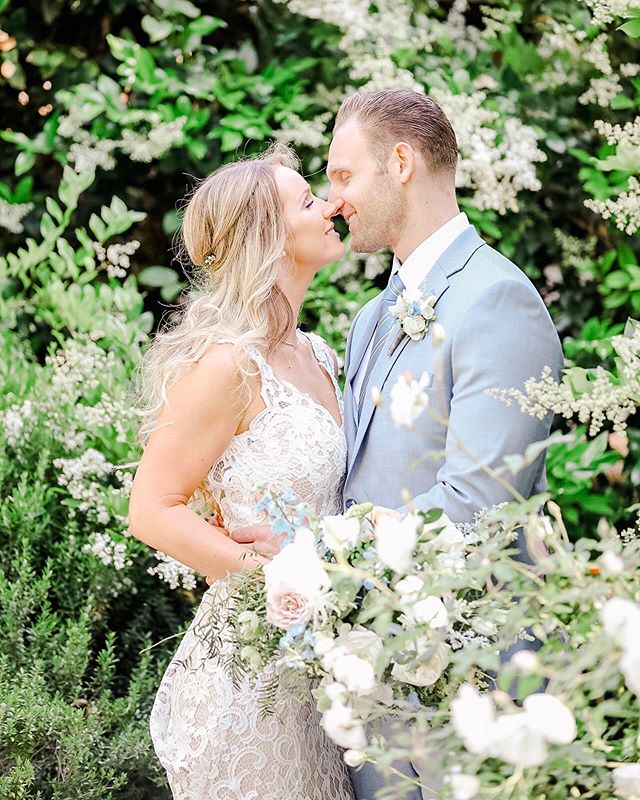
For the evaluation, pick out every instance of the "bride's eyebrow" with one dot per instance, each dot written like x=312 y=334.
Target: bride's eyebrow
x=305 y=193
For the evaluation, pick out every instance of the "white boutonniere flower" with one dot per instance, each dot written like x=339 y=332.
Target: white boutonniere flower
x=414 y=314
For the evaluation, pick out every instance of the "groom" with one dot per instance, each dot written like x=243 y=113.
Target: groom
x=392 y=164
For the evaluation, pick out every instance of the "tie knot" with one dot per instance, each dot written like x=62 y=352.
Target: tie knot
x=395 y=287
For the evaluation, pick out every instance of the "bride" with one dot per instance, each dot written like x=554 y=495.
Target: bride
x=234 y=396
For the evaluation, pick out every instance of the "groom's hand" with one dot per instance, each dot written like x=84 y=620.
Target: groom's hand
x=259 y=538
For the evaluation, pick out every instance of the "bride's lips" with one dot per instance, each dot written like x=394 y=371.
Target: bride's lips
x=332 y=231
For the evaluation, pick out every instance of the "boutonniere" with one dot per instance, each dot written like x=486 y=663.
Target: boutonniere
x=414 y=313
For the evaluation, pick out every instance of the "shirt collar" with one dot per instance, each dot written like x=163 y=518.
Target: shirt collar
x=418 y=264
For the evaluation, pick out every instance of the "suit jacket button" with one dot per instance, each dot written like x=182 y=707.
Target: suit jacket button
x=350 y=502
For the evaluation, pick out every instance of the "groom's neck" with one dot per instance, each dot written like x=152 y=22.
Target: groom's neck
x=422 y=220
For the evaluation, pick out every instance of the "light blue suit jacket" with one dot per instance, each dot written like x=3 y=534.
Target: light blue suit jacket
x=498 y=334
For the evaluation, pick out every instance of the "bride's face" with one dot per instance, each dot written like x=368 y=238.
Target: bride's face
x=314 y=242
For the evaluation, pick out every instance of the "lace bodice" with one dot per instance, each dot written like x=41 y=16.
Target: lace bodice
x=294 y=444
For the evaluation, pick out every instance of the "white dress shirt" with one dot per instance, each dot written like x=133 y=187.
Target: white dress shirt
x=415 y=269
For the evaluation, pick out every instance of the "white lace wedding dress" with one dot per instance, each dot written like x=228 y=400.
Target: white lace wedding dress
x=211 y=737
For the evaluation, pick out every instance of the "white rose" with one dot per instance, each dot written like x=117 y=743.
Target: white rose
x=425 y=674
x=449 y=537
x=551 y=717
x=340 y=533
x=630 y=668
x=626 y=780
x=525 y=662
x=343 y=728
x=355 y=673
x=408 y=399
x=414 y=327
x=396 y=540
x=431 y=611
x=621 y=620
x=354 y=758
x=516 y=741
x=462 y=787
x=473 y=717
x=363 y=643
x=399 y=308
x=612 y=564
x=409 y=587
x=438 y=334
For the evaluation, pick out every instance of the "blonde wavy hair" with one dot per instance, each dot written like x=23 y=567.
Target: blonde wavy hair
x=234 y=233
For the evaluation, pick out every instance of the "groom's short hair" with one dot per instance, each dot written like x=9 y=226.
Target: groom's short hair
x=395 y=115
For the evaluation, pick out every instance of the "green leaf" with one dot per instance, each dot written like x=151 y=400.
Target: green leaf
x=24 y=161
x=631 y=28
x=231 y=140
x=156 y=29
x=54 y=209
x=158 y=276
x=204 y=25
x=183 y=7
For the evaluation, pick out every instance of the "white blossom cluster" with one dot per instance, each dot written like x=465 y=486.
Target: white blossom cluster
x=367 y=265
x=115 y=257
x=88 y=151
x=74 y=474
x=605 y=11
x=109 y=552
x=305 y=132
x=624 y=208
x=173 y=572
x=154 y=143
x=578 y=254
x=627 y=135
x=12 y=214
x=496 y=167
x=605 y=400
x=13 y=422
x=369 y=37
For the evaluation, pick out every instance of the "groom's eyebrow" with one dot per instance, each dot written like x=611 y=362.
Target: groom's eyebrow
x=333 y=169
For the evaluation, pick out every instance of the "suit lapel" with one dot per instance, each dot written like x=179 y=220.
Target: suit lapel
x=436 y=283
x=359 y=347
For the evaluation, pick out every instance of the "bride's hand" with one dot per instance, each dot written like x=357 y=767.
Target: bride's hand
x=378 y=512
x=258 y=538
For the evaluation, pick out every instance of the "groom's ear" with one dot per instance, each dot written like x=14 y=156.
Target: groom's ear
x=403 y=161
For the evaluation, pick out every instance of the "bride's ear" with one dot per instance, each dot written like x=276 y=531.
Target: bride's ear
x=403 y=161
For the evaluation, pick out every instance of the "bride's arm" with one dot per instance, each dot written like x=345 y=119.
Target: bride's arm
x=204 y=411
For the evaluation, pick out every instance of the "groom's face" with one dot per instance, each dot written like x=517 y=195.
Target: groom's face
x=371 y=203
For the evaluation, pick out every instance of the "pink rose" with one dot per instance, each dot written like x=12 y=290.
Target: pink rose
x=285 y=607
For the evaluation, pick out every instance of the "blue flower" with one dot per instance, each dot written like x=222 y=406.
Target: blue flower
x=413 y=309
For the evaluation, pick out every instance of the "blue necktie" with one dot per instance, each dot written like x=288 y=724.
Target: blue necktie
x=385 y=323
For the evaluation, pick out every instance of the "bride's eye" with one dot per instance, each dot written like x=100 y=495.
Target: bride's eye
x=310 y=203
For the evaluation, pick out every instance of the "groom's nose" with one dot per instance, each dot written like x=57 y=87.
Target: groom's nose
x=332 y=207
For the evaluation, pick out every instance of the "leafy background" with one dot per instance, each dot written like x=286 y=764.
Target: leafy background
x=110 y=111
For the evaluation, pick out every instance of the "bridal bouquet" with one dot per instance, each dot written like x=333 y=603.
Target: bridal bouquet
x=371 y=613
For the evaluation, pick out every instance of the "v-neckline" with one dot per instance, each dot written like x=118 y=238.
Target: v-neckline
x=334 y=383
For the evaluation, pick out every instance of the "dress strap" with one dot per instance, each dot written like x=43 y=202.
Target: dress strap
x=269 y=384
x=324 y=356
